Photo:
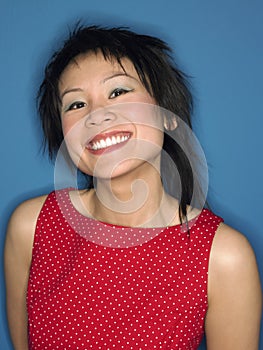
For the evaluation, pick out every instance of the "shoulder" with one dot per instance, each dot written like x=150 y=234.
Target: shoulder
x=21 y=226
x=232 y=258
x=26 y=213
x=17 y=261
x=231 y=250
x=234 y=293
x=233 y=276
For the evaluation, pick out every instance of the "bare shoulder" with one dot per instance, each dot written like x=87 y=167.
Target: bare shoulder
x=234 y=293
x=17 y=261
x=231 y=251
x=22 y=223
x=232 y=259
x=26 y=213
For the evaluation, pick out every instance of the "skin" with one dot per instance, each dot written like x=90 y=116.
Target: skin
x=91 y=83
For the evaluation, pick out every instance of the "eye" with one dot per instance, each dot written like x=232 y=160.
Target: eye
x=76 y=105
x=118 y=92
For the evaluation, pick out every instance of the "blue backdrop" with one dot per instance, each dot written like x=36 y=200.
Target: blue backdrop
x=218 y=43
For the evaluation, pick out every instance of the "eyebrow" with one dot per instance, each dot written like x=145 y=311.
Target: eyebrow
x=115 y=75
x=67 y=91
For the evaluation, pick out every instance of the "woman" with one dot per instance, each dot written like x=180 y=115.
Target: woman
x=132 y=261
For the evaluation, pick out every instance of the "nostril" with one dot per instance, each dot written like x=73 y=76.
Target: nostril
x=109 y=116
x=99 y=117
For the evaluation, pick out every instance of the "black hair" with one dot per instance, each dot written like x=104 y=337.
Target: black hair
x=152 y=59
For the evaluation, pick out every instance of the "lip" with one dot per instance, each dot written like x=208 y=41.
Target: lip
x=115 y=139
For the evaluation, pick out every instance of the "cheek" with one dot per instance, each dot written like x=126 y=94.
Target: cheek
x=67 y=125
x=74 y=138
x=73 y=132
x=153 y=130
x=144 y=97
x=152 y=140
x=144 y=113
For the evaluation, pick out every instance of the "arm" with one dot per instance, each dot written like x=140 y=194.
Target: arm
x=18 y=248
x=234 y=294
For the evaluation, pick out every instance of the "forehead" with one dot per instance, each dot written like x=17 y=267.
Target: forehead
x=96 y=64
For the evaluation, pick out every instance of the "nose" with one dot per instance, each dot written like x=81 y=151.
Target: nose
x=102 y=116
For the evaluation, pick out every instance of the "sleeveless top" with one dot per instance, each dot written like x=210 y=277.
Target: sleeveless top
x=85 y=291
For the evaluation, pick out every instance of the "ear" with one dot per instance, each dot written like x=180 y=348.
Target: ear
x=170 y=124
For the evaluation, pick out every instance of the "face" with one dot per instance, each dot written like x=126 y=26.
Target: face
x=110 y=123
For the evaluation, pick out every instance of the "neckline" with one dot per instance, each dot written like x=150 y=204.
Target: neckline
x=112 y=235
x=67 y=191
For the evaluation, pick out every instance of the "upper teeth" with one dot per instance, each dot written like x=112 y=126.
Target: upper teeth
x=109 y=141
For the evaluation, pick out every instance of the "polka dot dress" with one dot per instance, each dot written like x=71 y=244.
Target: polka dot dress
x=97 y=286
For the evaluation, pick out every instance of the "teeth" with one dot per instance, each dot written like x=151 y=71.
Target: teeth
x=109 y=142
x=103 y=143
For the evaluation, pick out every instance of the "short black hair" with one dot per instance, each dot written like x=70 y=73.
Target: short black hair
x=156 y=68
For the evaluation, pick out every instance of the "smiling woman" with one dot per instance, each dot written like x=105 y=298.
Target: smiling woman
x=133 y=261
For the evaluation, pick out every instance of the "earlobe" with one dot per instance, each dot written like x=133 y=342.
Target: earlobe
x=170 y=124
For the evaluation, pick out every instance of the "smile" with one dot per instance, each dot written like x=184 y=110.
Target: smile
x=102 y=142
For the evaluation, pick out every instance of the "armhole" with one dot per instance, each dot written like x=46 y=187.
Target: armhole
x=37 y=224
x=220 y=222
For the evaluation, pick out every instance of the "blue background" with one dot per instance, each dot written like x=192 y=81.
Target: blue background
x=219 y=43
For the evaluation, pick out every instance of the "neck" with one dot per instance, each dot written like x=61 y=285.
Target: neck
x=134 y=201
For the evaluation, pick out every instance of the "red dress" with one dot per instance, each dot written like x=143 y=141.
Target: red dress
x=87 y=290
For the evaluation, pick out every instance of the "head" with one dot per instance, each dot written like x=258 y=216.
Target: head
x=149 y=55
x=151 y=58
